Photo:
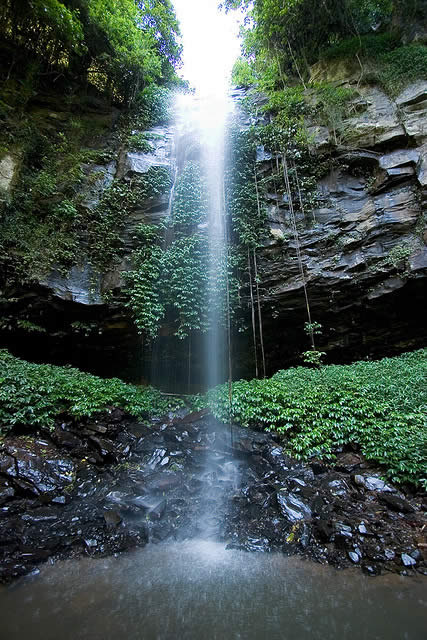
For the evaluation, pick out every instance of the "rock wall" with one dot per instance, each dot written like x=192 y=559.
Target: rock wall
x=363 y=246
x=81 y=313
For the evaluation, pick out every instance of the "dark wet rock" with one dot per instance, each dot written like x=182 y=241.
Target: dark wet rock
x=304 y=536
x=292 y=507
x=106 y=448
x=276 y=456
x=37 y=469
x=91 y=543
x=252 y=494
x=165 y=481
x=156 y=458
x=348 y=462
x=342 y=532
x=396 y=503
x=6 y=491
x=8 y=465
x=338 y=487
x=98 y=428
x=112 y=518
x=372 y=483
x=318 y=467
x=251 y=544
x=64 y=437
x=363 y=530
x=44 y=514
x=371 y=569
x=407 y=560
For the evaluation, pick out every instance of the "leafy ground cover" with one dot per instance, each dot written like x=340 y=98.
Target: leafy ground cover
x=34 y=395
x=379 y=406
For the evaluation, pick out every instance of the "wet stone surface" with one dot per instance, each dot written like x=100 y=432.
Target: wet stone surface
x=111 y=484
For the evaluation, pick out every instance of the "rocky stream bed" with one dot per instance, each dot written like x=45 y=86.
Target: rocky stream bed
x=99 y=487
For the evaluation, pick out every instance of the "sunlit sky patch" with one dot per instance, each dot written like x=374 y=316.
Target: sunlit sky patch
x=211 y=44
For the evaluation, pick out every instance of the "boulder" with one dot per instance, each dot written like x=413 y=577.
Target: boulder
x=292 y=507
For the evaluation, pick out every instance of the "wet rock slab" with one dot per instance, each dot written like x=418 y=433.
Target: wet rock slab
x=106 y=485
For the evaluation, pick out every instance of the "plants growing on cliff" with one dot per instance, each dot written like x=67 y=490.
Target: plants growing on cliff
x=139 y=142
x=291 y=33
x=54 y=221
x=34 y=395
x=379 y=406
x=247 y=216
x=383 y=60
x=153 y=106
x=143 y=281
x=175 y=276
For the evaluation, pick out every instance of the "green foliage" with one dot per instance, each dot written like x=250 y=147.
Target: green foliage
x=121 y=46
x=313 y=357
x=333 y=105
x=241 y=191
x=243 y=74
x=153 y=106
x=139 y=142
x=366 y=46
x=400 y=253
x=384 y=60
x=379 y=406
x=143 y=281
x=283 y=38
x=313 y=328
x=34 y=395
x=48 y=26
x=190 y=201
x=402 y=66
x=289 y=34
x=49 y=222
x=176 y=279
x=289 y=102
x=186 y=276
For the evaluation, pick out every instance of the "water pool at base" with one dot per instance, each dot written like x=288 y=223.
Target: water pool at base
x=199 y=590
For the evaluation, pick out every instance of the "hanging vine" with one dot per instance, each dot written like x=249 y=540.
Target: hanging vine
x=247 y=220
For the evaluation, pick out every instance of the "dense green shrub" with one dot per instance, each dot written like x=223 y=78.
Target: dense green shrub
x=139 y=142
x=120 y=46
x=369 y=46
x=34 y=395
x=143 y=280
x=242 y=74
x=379 y=406
x=402 y=66
x=154 y=106
x=384 y=62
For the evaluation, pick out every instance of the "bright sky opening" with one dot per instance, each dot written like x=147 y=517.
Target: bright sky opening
x=211 y=44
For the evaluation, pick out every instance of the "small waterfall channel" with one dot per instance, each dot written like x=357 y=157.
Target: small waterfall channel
x=201 y=123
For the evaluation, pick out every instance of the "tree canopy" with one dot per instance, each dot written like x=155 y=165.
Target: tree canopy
x=292 y=33
x=120 y=45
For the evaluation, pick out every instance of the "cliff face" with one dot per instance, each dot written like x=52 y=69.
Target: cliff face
x=77 y=315
x=364 y=245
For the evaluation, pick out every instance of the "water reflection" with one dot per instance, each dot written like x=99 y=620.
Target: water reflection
x=198 y=589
